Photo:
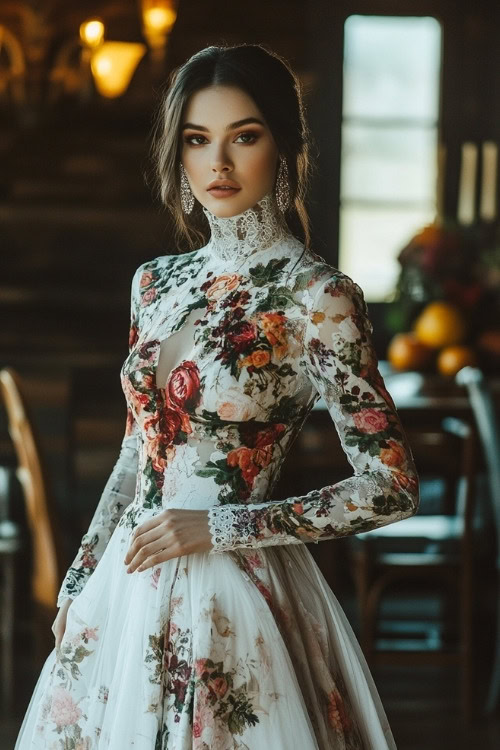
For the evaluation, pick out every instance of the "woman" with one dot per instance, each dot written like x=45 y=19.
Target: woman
x=207 y=623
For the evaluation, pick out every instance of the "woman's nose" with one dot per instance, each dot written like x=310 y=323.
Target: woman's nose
x=220 y=160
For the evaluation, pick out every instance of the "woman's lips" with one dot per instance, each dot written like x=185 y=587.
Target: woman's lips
x=223 y=192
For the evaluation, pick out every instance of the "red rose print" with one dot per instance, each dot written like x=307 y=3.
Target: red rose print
x=241 y=336
x=169 y=424
x=370 y=420
x=269 y=436
x=183 y=386
x=133 y=336
x=255 y=438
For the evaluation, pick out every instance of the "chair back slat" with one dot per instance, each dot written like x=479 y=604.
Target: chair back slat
x=33 y=477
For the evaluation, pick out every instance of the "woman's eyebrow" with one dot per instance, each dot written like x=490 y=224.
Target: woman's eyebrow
x=231 y=126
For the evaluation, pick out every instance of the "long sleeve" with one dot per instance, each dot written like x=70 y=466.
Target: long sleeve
x=338 y=358
x=118 y=492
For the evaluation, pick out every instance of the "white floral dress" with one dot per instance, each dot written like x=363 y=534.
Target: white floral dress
x=244 y=646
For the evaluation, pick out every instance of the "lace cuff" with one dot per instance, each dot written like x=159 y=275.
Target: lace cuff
x=235 y=526
x=221 y=526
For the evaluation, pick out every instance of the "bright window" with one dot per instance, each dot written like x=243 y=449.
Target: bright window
x=390 y=121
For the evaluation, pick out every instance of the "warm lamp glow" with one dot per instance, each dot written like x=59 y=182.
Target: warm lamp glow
x=113 y=65
x=158 y=18
x=92 y=32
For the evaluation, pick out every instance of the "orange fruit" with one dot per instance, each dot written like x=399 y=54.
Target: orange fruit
x=406 y=352
x=451 y=359
x=440 y=324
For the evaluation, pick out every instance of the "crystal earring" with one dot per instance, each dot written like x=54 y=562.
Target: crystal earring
x=187 y=197
x=282 y=186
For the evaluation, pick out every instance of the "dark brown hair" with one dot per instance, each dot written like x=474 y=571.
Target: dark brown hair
x=269 y=80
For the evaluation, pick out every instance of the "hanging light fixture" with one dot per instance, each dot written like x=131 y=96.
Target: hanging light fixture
x=92 y=33
x=82 y=63
x=113 y=65
x=158 y=18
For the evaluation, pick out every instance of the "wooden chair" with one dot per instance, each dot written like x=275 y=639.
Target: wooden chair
x=435 y=549
x=486 y=413
x=45 y=532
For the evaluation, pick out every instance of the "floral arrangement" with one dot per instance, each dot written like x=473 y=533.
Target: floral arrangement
x=447 y=295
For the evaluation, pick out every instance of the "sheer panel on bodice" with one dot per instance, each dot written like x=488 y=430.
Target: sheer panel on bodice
x=175 y=349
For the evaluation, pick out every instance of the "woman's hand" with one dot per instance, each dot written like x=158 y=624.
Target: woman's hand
x=59 y=624
x=172 y=533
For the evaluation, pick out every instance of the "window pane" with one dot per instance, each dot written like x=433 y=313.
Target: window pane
x=390 y=121
x=392 y=67
x=370 y=240
x=388 y=164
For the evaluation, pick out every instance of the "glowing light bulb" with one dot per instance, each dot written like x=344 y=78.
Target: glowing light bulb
x=92 y=32
x=113 y=65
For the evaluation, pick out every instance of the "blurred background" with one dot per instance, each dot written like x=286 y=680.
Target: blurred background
x=403 y=100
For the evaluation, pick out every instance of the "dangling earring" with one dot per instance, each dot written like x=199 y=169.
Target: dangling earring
x=282 y=186
x=187 y=197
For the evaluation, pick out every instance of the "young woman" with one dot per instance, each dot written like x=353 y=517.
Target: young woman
x=194 y=615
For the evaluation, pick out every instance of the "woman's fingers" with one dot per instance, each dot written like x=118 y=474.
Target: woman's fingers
x=143 y=541
x=142 y=559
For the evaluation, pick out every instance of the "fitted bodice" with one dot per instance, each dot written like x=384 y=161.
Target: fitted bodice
x=214 y=354
x=229 y=348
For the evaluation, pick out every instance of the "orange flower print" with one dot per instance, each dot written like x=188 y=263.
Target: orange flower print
x=258 y=358
x=317 y=317
x=153 y=451
x=146 y=279
x=222 y=284
x=273 y=325
x=250 y=460
x=394 y=455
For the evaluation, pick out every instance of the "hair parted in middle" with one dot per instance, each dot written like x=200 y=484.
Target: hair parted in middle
x=276 y=90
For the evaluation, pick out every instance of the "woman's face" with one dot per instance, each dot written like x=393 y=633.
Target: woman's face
x=215 y=147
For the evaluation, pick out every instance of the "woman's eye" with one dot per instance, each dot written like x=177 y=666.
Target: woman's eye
x=253 y=137
x=189 y=137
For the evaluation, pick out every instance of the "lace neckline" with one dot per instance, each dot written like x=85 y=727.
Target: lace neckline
x=242 y=235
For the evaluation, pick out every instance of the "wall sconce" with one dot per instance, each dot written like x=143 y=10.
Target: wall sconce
x=113 y=65
x=83 y=63
x=92 y=33
x=158 y=18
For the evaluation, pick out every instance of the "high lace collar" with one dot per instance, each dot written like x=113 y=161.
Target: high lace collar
x=242 y=235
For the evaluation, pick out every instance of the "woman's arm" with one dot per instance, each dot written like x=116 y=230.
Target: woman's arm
x=339 y=360
x=116 y=496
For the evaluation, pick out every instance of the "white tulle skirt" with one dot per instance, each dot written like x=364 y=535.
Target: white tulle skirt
x=247 y=649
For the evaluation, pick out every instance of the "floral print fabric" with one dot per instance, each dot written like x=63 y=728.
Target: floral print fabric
x=244 y=646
